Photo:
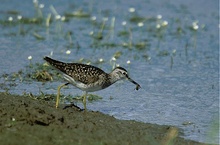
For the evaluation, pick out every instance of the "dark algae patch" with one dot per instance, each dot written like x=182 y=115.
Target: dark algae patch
x=25 y=120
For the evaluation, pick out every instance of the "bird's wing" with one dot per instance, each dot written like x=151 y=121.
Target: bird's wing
x=83 y=73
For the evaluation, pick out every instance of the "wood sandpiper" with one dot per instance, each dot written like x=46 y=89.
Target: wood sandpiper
x=88 y=78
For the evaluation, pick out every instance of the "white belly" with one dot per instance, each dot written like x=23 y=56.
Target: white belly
x=85 y=87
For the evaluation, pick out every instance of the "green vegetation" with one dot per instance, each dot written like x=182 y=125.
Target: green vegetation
x=136 y=36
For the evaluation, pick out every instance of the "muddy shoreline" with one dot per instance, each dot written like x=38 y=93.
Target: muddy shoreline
x=25 y=120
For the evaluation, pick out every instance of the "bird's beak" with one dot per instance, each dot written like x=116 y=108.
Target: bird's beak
x=137 y=85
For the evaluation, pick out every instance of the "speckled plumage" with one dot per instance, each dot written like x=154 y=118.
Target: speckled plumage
x=88 y=75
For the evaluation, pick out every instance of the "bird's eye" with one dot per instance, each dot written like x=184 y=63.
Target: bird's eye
x=124 y=73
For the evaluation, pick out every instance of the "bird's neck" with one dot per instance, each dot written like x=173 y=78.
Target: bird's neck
x=113 y=78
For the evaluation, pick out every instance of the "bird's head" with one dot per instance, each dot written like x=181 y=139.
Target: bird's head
x=119 y=73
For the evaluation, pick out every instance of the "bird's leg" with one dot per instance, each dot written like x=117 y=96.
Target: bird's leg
x=84 y=101
x=58 y=93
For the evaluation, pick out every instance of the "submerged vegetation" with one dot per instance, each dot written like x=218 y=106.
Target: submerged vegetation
x=144 y=37
x=130 y=33
x=137 y=35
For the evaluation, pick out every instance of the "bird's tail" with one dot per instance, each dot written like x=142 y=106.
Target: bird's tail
x=55 y=63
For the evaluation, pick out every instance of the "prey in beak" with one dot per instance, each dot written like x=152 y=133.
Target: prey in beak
x=137 y=85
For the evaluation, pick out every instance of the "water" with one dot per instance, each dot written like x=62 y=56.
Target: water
x=178 y=68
